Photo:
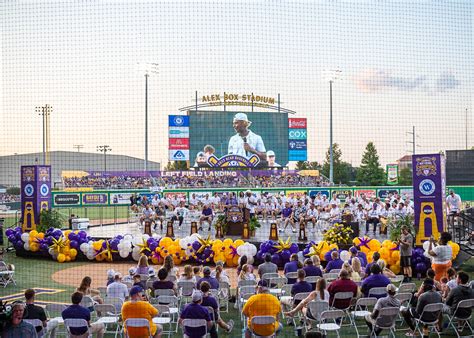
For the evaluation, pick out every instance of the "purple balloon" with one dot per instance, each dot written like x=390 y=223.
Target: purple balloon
x=104 y=244
x=418 y=260
x=12 y=238
x=9 y=232
x=82 y=234
x=18 y=236
x=72 y=236
x=294 y=248
x=276 y=259
x=285 y=255
x=18 y=245
x=153 y=246
x=44 y=247
x=421 y=267
x=49 y=240
x=73 y=244
x=150 y=240
x=196 y=245
x=114 y=244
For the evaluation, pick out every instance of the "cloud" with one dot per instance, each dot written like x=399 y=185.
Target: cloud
x=376 y=80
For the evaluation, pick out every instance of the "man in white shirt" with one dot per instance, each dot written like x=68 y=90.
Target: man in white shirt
x=324 y=202
x=245 y=142
x=250 y=202
x=117 y=288
x=454 y=202
x=271 y=159
x=372 y=217
x=312 y=215
x=180 y=214
x=193 y=202
x=335 y=200
x=147 y=214
x=334 y=213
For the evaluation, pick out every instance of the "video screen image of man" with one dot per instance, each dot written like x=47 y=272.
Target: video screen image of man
x=245 y=142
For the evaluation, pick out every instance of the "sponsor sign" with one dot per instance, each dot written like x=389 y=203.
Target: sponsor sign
x=91 y=198
x=297 y=134
x=297 y=155
x=295 y=193
x=369 y=193
x=178 y=120
x=35 y=194
x=383 y=193
x=179 y=155
x=297 y=123
x=342 y=194
x=316 y=192
x=180 y=196
x=178 y=132
x=407 y=192
x=392 y=174
x=67 y=199
x=297 y=145
x=122 y=198
x=429 y=195
x=178 y=143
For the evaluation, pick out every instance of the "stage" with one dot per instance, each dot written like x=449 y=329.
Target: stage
x=261 y=234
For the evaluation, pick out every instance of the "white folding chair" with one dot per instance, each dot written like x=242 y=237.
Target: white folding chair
x=268 y=275
x=336 y=271
x=315 y=308
x=250 y=282
x=434 y=310
x=173 y=304
x=329 y=277
x=361 y=309
x=407 y=287
x=53 y=312
x=6 y=276
x=115 y=301
x=405 y=299
x=377 y=292
x=76 y=323
x=291 y=275
x=285 y=296
x=390 y=315
x=312 y=279
x=297 y=299
x=107 y=314
x=194 y=324
x=103 y=291
x=244 y=290
x=276 y=284
x=398 y=279
x=325 y=324
x=185 y=291
x=454 y=318
x=223 y=296
x=163 y=318
x=36 y=323
x=163 y=292
x=138 y=323
x=263 y=320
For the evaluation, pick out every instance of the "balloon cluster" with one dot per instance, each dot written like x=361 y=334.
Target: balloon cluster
x=320 y=249
x=61 y=246
x=280 y=251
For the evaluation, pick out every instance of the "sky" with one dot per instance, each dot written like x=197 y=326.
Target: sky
x=402 y=63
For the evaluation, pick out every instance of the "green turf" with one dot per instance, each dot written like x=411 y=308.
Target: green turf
x=37 y=273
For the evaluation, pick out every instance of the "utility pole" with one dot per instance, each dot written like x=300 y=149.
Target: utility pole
x=45 y=111
x=104 y=149
x=466 y=129
x=413 y=141
x=78 y=147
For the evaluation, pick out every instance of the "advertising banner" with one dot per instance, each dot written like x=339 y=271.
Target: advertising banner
x=297 y=134
x=94 y=199
x=392 y=174
x=369 y=193
x=297 y=145
x=342 y=194
x=179 y=155
x=429 y=195
x=178 y=143
x=383 y=193
x=35 y=194
x=122 y=198
x=178 y=132
x=297 y=123
x=316 y=192
x=67 y=199
x=178 y=121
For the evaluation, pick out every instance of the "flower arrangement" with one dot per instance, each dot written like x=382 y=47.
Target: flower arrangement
x=338 y=233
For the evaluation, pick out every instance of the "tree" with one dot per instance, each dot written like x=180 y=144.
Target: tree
x=342 y=170
x=307 y=165
x=370 y=171
x=405 y=177
x=177 y=165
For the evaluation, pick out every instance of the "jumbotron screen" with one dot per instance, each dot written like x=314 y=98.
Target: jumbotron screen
x=266 y=133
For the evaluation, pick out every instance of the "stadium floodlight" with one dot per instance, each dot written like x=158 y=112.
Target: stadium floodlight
x=147 y=69
x=104 y=149
x=45 y=112
x=331 y=76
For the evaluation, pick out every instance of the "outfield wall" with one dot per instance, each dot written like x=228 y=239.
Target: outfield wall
x=122 y=197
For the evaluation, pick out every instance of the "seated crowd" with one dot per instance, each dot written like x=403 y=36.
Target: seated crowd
x=303 y=291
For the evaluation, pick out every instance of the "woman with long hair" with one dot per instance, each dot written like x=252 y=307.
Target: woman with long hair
x=168 y=265
x=187 y=274
x=356 y=269
x=320 y=294
x=86 y=290
x=142 y=266
x=385 y=271
x=246 y=274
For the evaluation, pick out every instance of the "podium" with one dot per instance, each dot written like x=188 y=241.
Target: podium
x=235 y=219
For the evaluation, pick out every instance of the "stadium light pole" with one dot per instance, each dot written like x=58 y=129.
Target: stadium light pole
x=44 y=111
x=147 y=68
x=331 y=76
x=104 y=149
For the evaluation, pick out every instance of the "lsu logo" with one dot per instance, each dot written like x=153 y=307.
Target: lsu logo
x=426 y=166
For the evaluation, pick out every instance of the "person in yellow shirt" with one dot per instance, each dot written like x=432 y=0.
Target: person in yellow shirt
x=137 y=308
x=262 y=304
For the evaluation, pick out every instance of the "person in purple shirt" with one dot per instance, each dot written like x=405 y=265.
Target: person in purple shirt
x=195 y=310
x=285 y=216
x=300 y=286
x=335 y=262
x=375 y=258
x=375 y=280
x=210 y=301
x=311 y=270
x=76 y=311
x=213 y=282
x=292 y=266
x=162 y=283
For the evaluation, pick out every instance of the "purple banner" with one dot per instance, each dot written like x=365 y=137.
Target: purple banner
x=35 y=194
x=429 y=185
x=92 y=198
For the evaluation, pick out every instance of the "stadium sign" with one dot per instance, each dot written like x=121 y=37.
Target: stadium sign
x=237 y=99
x=67 y=199
x=233 y=161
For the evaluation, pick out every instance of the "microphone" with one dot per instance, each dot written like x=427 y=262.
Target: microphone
x=245 y=139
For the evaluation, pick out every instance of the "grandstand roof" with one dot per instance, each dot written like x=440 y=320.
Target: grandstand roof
x=68 y=160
